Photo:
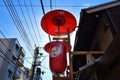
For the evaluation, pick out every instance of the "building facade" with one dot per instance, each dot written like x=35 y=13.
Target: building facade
x=25 y=75
x=98 y=37
x=11 y=59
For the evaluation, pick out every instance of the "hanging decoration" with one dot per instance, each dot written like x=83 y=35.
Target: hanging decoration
x=58 y=21
x=57 y=56
x=47 y=47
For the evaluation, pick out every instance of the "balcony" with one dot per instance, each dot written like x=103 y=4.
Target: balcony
x=19 y=63
x=17 y=74
x=22 y=52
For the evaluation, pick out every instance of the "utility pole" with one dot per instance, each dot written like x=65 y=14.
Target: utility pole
x=36 y=52
x=36 y=63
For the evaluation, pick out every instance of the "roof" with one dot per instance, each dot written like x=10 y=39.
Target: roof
x=102 y=7
x=89 y=18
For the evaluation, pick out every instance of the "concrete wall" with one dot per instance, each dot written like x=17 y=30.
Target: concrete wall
x=4 y=61
x=3 y=66
x=6 y=57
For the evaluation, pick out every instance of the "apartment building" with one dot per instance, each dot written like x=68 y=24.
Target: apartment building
x=11 y=59
x=25 y=75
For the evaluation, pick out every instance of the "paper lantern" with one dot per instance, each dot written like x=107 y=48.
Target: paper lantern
x=47 y=47
x=58 y=61
x=57 y=56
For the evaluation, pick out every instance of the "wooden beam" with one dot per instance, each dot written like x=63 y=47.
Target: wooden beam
x=87 y=52
x=60 y=78
x=62 y=33
x=75 y=72
x=63 y=38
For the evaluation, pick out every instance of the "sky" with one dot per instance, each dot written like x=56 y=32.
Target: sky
x=26 y=20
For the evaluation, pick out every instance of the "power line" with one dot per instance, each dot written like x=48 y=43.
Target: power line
x=4 y=36
x=21 y=27
x=10 y=51
x=26 y=22
x=42 y=7
x=44 y=14
x=7 y=58
x=45 y=67
x=28 y=61
x=35 y=20
x=8 y=43
x=14 y=15
x=51 y=4
x=31 y=21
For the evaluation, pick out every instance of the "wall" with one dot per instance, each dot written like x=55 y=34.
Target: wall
x=114 y=74
x=6 y=57
x=103 y=36
x=3 y=69
x=4 y=61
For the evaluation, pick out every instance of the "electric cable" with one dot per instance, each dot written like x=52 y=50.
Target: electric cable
x=69 y=6
x=31 y=21
x=9 y=60
x=9 y=51
x=44 y=14
x=51 y=4
x=35 y=22
x=26 y=22
x=13 y=13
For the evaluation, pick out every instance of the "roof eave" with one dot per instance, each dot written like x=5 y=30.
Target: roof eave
x=102 y=7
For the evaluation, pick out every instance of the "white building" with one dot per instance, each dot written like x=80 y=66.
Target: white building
x=11 y=59
x=25 y=75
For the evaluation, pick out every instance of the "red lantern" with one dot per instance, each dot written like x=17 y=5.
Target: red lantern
x=58 y=61
x=58 y=21
x=48 y=46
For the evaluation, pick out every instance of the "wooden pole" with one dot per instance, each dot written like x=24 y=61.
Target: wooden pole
x=69 y=51
x=70 y=57
x=87 y=52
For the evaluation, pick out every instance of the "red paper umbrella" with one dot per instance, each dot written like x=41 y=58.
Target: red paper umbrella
x=58 y=21
x=48 y=46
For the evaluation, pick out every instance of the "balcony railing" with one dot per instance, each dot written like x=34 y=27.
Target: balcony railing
x=22 y=52
x=17 y=74
x=19 y=63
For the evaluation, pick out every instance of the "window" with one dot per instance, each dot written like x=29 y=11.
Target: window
x=17 y=47
x=13 y=59
x=10 y=73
